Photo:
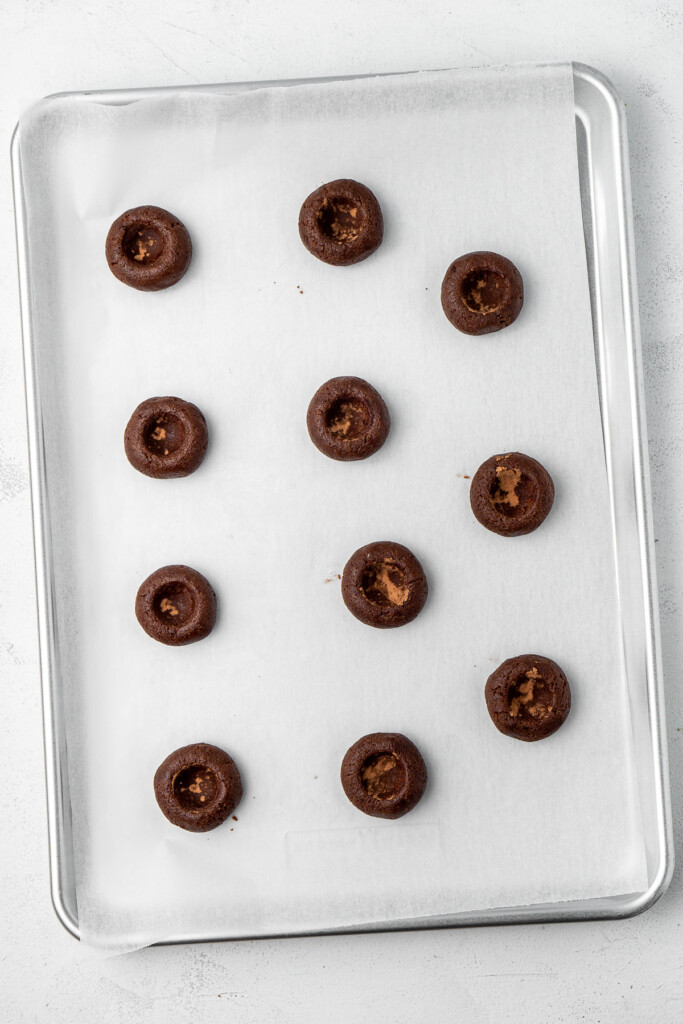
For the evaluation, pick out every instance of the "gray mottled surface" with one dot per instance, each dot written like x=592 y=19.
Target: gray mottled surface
x=622 y=971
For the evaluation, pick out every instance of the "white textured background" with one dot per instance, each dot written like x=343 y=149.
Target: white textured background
x=611 y=972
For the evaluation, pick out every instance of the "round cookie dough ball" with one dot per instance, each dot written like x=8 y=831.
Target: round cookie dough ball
x=383 y=775
x=148 y=248
x=347 y=419
x=341 y=222
x=528 y=697
x=176 y=605
x=482 y=292
x=384 y=585
x=197 y=787
x=511 y=494
x=166 y=437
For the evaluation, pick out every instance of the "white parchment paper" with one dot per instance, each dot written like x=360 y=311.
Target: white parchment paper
x=459 y=160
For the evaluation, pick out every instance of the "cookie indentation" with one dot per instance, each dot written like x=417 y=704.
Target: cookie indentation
x=164 y=434
x=143 y=244
x=384 y=584
x=174 y=603
x=513 y=492
x=529 y=695
x=483 y=290
x=195 y=787
x=383 y=776
x=340 y=219
x=347 y=419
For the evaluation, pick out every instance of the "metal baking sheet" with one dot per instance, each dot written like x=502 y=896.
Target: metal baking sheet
x=603 y=165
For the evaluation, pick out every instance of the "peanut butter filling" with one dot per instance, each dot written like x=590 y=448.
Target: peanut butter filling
x=507 y=479
x=383 y=776
x=384 y=584
x=482 y=290
x=347 y=419
x=530 y=697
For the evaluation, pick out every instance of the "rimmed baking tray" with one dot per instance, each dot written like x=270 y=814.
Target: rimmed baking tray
x=603 y=163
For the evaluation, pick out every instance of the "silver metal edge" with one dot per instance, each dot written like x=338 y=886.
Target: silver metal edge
x=622 y=185
x=599 y=909
x=53 y=765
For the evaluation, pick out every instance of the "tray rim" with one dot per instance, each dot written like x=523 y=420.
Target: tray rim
x=62 y=883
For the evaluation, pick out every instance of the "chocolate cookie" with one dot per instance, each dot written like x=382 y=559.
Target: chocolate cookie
x=383 y=775
x=166 y=437
x=148 y=248
x=528 y=697
x=384 y=585
x=197 y=787
x=511 y=494
x=176 y=605
x=347 y=419
x=341 y=223
x=482 y=292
